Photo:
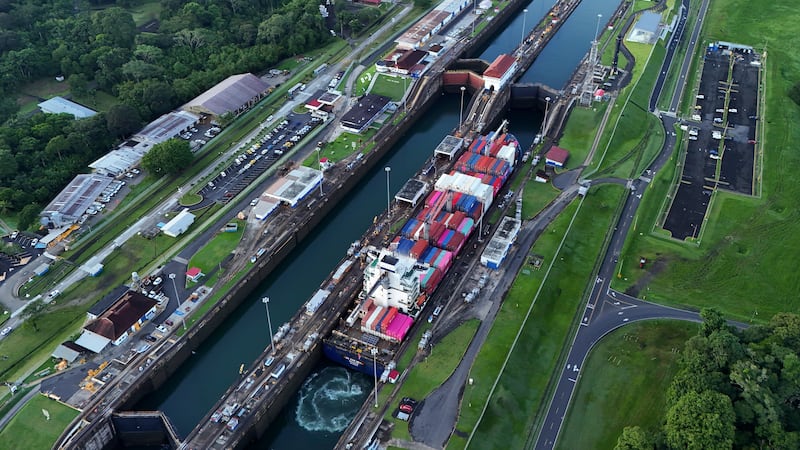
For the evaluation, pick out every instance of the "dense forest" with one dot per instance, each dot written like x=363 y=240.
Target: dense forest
x=97 y=46
x=734 y=389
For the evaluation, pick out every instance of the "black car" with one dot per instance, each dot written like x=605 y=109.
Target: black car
x=150 y=338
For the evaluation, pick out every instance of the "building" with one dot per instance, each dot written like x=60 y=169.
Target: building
x=556 y=157
x=68 y=351
x=73 y=201
x=363 y=113
x=124 y=318
x=502 y=240
x=194 y=274
x=60 y=105
x=646 y=29
x=432 y=23
x=499 y=72
x=165 y=128
x=99 y=308
x=292 y=188
x=179 y=224
x=234 y=95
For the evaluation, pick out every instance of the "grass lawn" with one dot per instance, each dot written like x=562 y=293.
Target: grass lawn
x=636 y=364
x=390 y=86
x=738 y=267
x=434 y=370
x=29 y=429
x=26 y=347
x=536 y=196
x=190 y=199
x=510 y=414
x=217 y=248
x=580 y=131
x=364 y=79
x=98 y=101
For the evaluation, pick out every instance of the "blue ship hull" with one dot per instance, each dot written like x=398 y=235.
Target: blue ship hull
x=351 y=360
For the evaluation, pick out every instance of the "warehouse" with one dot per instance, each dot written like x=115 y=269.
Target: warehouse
x=294 y=186
x=114 y=326
x=166 y=127
x=234 y=95
x=73 y=201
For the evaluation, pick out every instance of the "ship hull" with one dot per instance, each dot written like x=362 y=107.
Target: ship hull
x=352 y=360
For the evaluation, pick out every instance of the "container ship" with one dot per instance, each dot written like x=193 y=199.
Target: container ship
x=399 y=279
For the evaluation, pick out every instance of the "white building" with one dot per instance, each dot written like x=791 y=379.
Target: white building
x=179 y=224
x=499 y=72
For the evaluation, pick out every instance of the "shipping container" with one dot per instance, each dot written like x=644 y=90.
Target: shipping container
x=417 y=250
x=404 y=246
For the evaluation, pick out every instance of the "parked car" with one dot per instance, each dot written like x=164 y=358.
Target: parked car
x=6 y=331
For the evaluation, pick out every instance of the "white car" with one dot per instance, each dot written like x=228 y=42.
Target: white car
x=6 y=331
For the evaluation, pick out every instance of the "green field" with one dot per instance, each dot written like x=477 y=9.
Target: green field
x=543 y=319
x=390 y=86
x=740 y=267
x=219 y=247
x=579 y=133
x=637 y=363
x=29 y=429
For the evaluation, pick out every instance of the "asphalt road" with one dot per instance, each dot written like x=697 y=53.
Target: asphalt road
x=607 y=309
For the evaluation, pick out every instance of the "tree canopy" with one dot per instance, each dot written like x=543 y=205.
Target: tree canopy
x=169 y=157
x=735 y=388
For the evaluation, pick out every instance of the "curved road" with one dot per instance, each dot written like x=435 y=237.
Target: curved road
x=607 y=309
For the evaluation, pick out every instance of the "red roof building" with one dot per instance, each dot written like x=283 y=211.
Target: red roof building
x=124 y=318
x=499 y=72
x=557 y=157
x=194 y=273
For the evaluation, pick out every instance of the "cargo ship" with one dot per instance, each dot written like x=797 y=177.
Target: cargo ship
x=399 y=279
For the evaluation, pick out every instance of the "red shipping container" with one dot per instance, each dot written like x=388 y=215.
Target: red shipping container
x=418 y=248
x=456 y=242
x=369 y=305
x=435 y=232
x=434 y=281
x=458 y=217
x=388 y=319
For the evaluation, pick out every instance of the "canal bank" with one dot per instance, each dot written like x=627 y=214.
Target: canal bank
x=191 y=390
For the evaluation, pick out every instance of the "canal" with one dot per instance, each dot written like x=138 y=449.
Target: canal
x=331 y=395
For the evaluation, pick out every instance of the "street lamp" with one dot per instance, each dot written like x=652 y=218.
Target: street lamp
x=374 y=352
x=597 y=28
x=177 y=298
x=522 y=35
x=388 y=195
x=319 y=161
x=544 y=124
x=461 y=111
x=265 y=301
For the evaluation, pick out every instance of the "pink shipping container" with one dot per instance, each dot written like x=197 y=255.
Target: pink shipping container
x=399 y=327
x=432 y=198
x=444 y=260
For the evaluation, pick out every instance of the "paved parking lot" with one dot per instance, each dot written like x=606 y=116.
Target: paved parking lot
x=257 y=156
x=714 y=122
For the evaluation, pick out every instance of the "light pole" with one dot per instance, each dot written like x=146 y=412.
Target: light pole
x=374 y=352
x=175 y=286
x=461 y=110
x=265 y=300
x=319 y=161
x=544 y=124
x=388 y=196
x=522 y=34
x=597 y=27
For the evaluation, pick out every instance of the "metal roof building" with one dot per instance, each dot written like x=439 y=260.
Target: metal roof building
x=124 y=318
x=166 y=127
x=294 y=186
x=179 y=224
x=60 y=105
x=70 y=204
x=234 y=94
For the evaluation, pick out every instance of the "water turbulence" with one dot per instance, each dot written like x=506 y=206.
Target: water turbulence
x=330 y=398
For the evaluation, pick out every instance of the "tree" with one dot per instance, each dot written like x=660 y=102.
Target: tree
x=122 y=120
x=168 y=157
x=28 y=215
x=712 y=321
x=633 y=438
x=701 y=421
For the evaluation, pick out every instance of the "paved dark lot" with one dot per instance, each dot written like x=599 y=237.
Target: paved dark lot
x=690 y=205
